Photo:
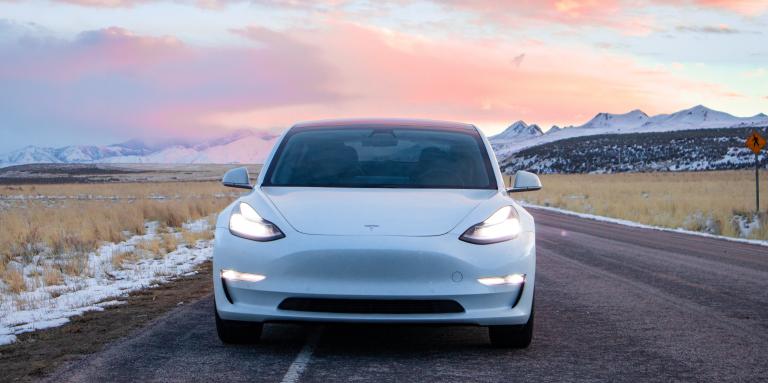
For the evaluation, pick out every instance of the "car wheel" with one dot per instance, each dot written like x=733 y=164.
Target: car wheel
x=238 y=332
x=515 y=336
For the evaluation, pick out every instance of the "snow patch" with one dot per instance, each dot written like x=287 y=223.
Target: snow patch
x=747 y=224
x=51 y=306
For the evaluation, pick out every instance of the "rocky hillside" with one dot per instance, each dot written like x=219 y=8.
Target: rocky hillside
x=682 y=150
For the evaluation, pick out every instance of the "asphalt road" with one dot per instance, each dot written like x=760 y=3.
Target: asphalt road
x=614 y=303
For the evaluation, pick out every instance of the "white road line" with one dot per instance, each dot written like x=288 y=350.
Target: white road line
x=302 y=360
x=625 y=222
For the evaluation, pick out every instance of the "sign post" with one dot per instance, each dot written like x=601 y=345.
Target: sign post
x=756 y=142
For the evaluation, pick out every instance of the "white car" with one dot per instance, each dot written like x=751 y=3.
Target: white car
x=377 y=221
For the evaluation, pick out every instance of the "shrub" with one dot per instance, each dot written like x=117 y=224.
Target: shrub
x=169 y=242
x=121 y=257
x=52 y=276
x=14 y=280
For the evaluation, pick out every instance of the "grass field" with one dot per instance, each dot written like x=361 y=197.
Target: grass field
x=56 y=227
x=721 y=202
x=71 y=248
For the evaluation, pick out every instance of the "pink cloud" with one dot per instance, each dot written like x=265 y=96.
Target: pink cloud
x=572 y=13
x=386 y=73
x=105 y=3
x=209 y=4
x=113 y=79
x=561 y=10
x=744 y=7
x=624 y=16
x=608 y=13
x=131 y=3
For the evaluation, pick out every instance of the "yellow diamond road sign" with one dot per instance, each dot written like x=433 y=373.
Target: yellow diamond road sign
x=755 y=142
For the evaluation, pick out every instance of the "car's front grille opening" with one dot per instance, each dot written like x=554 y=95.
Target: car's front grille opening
x=372 y=306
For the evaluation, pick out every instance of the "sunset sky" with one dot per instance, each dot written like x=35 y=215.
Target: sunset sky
x=102 y=71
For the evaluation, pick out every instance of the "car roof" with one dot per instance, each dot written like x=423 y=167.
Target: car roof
x=384 y=123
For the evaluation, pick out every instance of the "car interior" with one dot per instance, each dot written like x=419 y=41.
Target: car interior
x=383 y=160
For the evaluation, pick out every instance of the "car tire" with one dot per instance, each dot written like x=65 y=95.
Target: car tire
x=238 y=332
x=513 y=336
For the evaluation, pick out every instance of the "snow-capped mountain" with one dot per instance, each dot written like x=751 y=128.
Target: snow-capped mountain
x=518 y=130
x=238 y=147
x=69 y=154
x=699 y=117
x=636 y=121
x=553 y=129
x=629 y=120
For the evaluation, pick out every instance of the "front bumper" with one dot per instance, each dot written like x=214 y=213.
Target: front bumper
x=374 y=267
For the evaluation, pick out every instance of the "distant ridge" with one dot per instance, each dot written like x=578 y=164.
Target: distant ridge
x=246 y=146
x=635 y=121
x=242 y=146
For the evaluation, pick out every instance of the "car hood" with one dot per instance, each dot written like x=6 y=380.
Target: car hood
x=378 y=212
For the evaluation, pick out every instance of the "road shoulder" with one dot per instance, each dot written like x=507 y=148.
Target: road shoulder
x=37 y=354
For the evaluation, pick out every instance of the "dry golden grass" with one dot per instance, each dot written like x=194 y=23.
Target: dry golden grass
x=190 y=238
x=179 y=190
x=52 y=276
x=78 y=225
x=14 y=281
x=119 y=259
x=150 y=247
x=169 y=242
x=4 y=260
x=702 y=201
x=76 y=265
x=57 y=226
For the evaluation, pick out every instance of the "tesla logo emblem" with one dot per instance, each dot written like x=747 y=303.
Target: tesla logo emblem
x=371 y=227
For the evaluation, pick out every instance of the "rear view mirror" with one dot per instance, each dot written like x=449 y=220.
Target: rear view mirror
x=381 y=138
x=525 y=181
x=380 y=142
x=237 y=178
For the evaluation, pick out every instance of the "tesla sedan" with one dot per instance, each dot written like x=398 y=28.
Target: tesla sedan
x=377 y=221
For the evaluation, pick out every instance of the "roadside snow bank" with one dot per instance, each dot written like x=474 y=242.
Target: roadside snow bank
x=643 y=226
x=51 y=306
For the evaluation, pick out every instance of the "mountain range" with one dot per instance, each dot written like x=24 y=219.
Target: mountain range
x=516 y=138
x=243 y=146
x=247 y=146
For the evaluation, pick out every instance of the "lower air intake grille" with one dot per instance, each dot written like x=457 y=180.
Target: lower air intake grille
x=371 y=306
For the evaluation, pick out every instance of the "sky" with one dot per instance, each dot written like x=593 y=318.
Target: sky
x=106 y=71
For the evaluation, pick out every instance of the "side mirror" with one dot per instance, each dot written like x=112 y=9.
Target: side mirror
x=237 y=178
x=524 y=182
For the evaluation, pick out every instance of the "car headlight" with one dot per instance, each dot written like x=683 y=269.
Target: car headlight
x=246 y=223
x=501 y=226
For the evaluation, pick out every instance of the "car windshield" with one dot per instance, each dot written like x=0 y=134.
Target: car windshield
x=382 y=158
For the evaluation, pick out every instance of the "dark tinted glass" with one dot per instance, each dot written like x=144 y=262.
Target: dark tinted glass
x=386 y=157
